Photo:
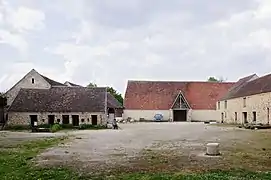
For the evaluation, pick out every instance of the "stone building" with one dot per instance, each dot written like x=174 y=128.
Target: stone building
x=248 y=101
x=36 y=98
x=175 y=101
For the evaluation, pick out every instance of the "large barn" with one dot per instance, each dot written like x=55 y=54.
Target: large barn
x=175 y=101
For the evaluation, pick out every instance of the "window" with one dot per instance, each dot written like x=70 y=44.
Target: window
x=226 y=105
x=88 y=119
x=58 y=121
x=235 y=118
x=33 y=80
x=244 y=102
x=82 y=120
x=218 y=106
x=43 y=120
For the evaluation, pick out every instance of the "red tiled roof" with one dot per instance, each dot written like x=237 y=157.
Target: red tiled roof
x=159 y=95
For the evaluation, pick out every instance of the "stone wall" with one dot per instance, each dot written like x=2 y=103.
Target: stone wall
x=23 y=118
x=26 y=82
x=256 y=103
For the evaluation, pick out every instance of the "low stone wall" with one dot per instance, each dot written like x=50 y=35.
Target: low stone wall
x=22 y=118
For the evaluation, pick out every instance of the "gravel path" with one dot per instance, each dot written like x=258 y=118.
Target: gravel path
x=117 y=146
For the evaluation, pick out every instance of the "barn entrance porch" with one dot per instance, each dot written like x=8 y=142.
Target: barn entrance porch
x=179 y=115
x=180 y=108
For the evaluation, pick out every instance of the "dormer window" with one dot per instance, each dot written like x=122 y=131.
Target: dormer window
x=33 y=80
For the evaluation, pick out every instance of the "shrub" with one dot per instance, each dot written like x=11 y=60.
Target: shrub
x=55 y=128
x=90 y=126
x=86 y=126
x=67 y=126
x=17 y=127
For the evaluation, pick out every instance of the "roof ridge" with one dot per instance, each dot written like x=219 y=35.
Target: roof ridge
x=172 y=81
x=51 y=81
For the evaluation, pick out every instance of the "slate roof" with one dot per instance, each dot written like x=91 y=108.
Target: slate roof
x=71 y=84
x=112 y=102
x=60 y=99
x=237 y=86
x=52 y=82
x=159 y=95
x=256 y=86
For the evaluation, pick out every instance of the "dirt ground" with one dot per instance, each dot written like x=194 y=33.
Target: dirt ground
x=10 y=139
x=141 y=146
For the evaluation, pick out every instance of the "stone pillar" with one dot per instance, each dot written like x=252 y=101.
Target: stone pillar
x=212 y=149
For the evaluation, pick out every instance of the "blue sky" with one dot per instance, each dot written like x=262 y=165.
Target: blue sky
x=111 y=41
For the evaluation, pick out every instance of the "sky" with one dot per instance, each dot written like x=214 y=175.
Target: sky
x=109 y=42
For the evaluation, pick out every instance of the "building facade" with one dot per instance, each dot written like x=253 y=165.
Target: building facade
x=175 y=101
x=249 y=101
x=36 y=99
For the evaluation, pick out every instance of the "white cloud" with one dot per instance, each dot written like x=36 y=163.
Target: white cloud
x=16 y=22
x=25 y=18
x=13 y=39
x=114 y=40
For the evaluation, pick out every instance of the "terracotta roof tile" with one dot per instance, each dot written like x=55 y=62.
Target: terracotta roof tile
x=159 y=95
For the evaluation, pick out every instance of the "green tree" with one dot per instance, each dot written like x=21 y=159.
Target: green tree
x=111 y=90
x=213 y=79
x=91 y=85
x=117 y=95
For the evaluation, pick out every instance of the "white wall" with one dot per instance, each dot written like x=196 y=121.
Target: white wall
x=146 y=114
x=198 y=115
x=204 y=115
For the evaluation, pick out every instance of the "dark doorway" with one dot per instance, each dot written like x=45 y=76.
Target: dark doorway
x=75 y=120
x=245 y=117
x=51 y=119
x=254 y=116
x=65 y=119
x=235 y=119
x=179 y=115
x=94 y=119
x=222 y=117
x=33 y=119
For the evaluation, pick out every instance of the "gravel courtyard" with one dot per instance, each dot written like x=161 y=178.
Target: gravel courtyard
x=134 y=142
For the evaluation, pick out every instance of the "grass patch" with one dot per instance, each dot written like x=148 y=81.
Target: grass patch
x=15 y=163
x=215 y=175
x=253 y=153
